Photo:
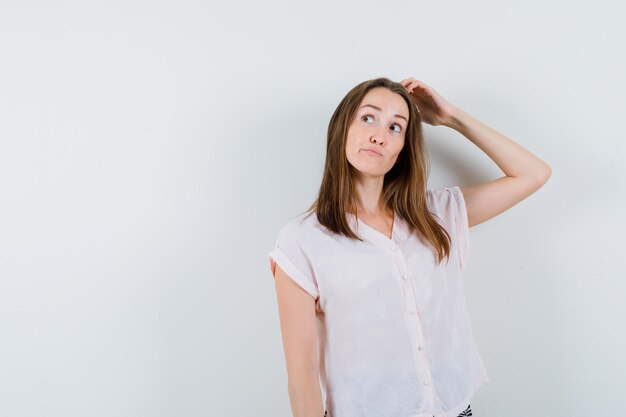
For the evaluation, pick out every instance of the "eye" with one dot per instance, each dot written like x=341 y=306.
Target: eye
x=395 y=124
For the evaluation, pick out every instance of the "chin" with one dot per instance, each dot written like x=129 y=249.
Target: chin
x=371 y=173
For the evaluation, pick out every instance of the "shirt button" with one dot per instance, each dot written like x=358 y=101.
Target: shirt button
x=403 y=277
x=419 y=347
x=394 y=248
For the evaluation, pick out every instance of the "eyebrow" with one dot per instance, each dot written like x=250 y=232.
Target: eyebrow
x=379 y=109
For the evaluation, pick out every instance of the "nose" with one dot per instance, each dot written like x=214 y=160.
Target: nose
x=379 y=136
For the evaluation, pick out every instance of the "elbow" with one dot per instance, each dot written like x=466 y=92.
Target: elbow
x=543 y=175
x=547 y=173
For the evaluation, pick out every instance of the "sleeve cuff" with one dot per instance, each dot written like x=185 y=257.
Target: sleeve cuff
x=294 y=273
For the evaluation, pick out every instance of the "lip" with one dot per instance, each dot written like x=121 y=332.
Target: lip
x=372 y=151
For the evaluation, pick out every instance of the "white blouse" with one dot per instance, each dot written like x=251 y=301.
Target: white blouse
x=395 y=338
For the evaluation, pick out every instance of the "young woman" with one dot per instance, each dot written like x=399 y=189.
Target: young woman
x=369 y=279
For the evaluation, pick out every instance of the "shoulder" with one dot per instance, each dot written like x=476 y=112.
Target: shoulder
x=448 y=204
x=300 y=227
x=444 y=198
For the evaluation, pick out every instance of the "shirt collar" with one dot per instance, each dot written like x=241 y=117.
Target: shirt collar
x=398 y=235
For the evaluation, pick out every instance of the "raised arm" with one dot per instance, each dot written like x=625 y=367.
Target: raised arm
x=524 y=172
x=298 y=327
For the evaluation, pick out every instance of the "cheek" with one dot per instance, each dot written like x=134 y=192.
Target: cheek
x=401 y=146
x=399 y=150
x=351 y=141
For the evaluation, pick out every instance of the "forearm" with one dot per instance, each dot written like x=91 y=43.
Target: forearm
x=305 y=396
x=512 y=158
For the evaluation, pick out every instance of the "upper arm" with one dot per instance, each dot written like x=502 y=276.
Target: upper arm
x=298 y=324
x=487 y=200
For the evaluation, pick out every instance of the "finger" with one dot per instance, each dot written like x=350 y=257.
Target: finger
x=423 y=85
x=418 y=83
x=422 y=90
x=420 y=102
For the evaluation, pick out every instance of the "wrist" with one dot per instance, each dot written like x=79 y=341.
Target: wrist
x=456 y=118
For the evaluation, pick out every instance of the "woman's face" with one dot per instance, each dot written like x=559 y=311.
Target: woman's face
x=380 y=124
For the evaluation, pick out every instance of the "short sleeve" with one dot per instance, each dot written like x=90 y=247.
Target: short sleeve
x=449 y=204
x=291 y=257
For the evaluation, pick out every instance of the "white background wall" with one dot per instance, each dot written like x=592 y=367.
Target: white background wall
x=149 y=152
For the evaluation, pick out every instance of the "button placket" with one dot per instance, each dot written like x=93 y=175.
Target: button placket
x=410 y=302
x=409 y=299
x=417 y=336
x=429 y=396
x=418 y=339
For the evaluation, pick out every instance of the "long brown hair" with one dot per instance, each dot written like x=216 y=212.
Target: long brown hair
x=404 y=188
